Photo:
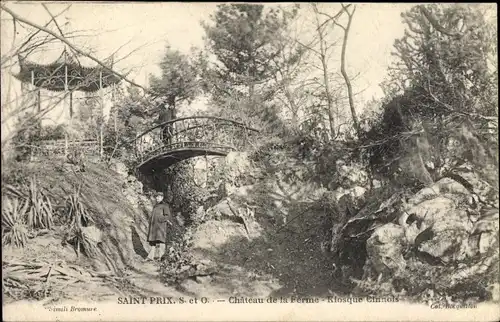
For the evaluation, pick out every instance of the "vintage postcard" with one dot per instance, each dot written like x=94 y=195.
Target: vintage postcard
x=190 y=161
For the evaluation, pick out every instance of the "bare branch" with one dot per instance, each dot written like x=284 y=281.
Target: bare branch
x=37 y=32
x=309 y=48
x=339 y=25
x=76 y=49
x=53 y=18
x=332 y=18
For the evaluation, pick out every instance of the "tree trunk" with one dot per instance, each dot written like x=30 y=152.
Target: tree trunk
x=251 y=88
x=38 y=110
x=101 y=142
x=355 y=120
x=326 y=79
x=172 y=106
x=293 y=106
x=331 y=117
x=251 y=91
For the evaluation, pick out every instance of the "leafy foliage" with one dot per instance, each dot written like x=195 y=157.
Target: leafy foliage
x=26 y=212
x=53 y=132
x=187 y=194
x=40 y=212
x=76 y=213
x=440 y=83
x=90 y=116
x=247 y=42
x=440 y=105
x=14 y=228
x=445 y=54
x=177 y=260
x=76 y=216
x=25 y=137
x=130 y=114
x=242 y=40
x=178 y=81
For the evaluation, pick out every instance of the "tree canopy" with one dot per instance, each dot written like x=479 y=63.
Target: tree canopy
x=178 y=81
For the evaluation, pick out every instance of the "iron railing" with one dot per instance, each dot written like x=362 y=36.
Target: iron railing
x=195 y=132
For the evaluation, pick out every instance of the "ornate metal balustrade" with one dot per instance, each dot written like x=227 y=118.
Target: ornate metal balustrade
x=183 y=138
x=165 y=144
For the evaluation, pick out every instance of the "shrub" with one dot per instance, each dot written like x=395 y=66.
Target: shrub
x=76 y=216
x=174 y=265
x=14 y=173
x=76 y=213
x=187 y=194
x=14 y=229
x=40 y=212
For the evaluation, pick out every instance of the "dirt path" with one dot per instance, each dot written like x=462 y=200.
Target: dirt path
x=240 y=266
x=228 y=280
x=243 y=266
x=146 y=280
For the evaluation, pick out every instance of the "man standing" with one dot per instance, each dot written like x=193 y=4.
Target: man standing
x=167 y=114
x=161 y=218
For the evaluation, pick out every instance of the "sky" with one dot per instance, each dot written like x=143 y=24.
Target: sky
x=139 y=33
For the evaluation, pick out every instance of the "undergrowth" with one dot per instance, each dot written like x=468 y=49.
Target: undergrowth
x=24 y=212
x=27 y=209
x=176 y=259
x=40 y=212
x=14 y=228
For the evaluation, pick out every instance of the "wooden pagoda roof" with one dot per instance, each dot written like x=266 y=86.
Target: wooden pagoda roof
x=66 y=70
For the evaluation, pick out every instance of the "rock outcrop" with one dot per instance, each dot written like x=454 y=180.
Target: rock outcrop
x=445 y=235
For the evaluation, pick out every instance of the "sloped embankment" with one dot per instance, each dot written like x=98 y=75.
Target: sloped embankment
x=119 y=216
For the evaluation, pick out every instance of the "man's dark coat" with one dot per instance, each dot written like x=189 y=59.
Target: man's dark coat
x=161 y=216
